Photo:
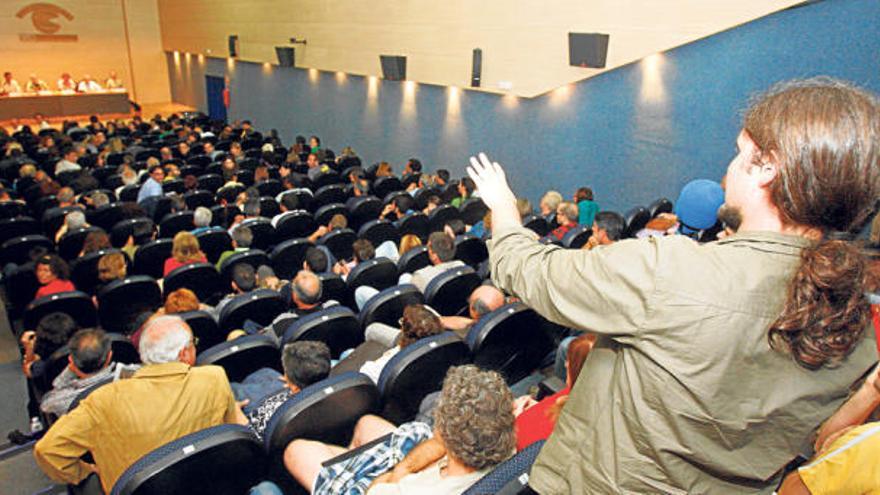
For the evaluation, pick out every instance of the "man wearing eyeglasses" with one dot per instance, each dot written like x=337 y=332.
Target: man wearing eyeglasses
x=122 y=421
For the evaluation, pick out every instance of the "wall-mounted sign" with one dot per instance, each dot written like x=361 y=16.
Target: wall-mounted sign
x=44 y=17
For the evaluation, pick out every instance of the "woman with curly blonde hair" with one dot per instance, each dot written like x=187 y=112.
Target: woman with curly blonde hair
x=184 y=251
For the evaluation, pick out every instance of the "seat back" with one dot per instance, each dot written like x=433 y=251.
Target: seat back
x=199 y=197
x=336 y=326
x=243 y=356
x=326 y=212
x=416 y=224
x=271 y=188
x=173 y=223
x=84 y=270
x=213 y=243
x=511 y=340
x=387 y=306
x=326 y=411
x=330 y=194
x=222 y=216
x=106 y=216
x=263 y=232
x=636 y=219
x=339 y=242
x=384 y=186
x=121 y=301
x=201 y=278
x=378 y=273
x=210 y=182
x=260 y=306
x=221 y=460
x=662 y=205
x=378 y=231
x=325 y=179
x=473 y=210
x=413 y=260
x=53 y=218
x=304 y=198
x=511 y=477
x=441 y=215
x=149 y=259
x=11 y=209
x=18 y=227
x=448 y=292
x=120 y=232
x=78 y=305
x=21 y=285
x=363 y=209
x=537 y=224
x=577 y=237
x=470 y=249
x=422 y=195
x=205 y=328
x=295 y=224
x=287 y=257
x=123 y=350
x=17 y=250
x=253 y=257
x=333 y=287
x=71 y=244
x=416 y=371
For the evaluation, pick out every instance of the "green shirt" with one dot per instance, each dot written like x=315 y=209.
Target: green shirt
x=682 y=393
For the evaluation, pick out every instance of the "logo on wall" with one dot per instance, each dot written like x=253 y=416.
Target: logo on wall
x=44 y=17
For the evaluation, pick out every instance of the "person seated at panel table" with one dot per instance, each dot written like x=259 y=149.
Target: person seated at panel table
x=88 y=85
x=10 y=86
x=35 y=84
x=66 y=83
x=114 y=82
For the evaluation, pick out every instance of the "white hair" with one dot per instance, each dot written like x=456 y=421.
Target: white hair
x=202 y=217
x=163 y=338
x=76 y=219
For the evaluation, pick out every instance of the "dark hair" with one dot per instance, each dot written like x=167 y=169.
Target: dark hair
x=415 y=165
x=404 y=203
x=730 y=217
x=95 y=241
x=468 y=185
x=583 y=193
x=89 y=349
x=443 y=174
x=363 y=250
x=244 y=276
x=142 y=232
x=306 y=362
x=442 y=245
x=154 y=167
x=54 y=330
x=316 y=260
x=56 y=264
x=305 y=296
x=457 y=225
x=243 y=236
x=418 y=322
x=290 y=201
x=612 y=223
x=822 y=134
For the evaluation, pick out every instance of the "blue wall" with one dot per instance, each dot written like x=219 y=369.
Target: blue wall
x=633 y=134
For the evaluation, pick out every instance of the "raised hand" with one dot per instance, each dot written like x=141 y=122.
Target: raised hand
x=491 y=182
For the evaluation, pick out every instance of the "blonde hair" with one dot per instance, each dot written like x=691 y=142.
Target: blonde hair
x=185 y=248
x=111 y=267
x=408 y=242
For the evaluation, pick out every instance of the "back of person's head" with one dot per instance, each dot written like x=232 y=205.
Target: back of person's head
x=612 y=223
x=252 y=207
x=290 y=202
x=56 y=328
x=569 y=210
x=100 y=199
x=65 y=195
x=56 y=264
x=404 y=203
x=730 y=217
x=415 y=165
x=202 y=217
x=408 y=242
x=142 y=233
x=823 y=136
x=316 y=260
x=181 y=301
x=485 y=299
x=163 y=339
x=417 y=323
x=243 y=236
x=75 y=219
x=468 y=185
x=95 y=241
x=442 y=246
x=582 y=194
x=307 y=288
x=443 y=174
x=551 y=200
x=363 y=250
x=111 y=267
x=89 y=350
x=474 y=417
x=524 y=207
x=305 y=362
x=244 y=276
x=456 y=226
x=338 y=221
x=185 y=247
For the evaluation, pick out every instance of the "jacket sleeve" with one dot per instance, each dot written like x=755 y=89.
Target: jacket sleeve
x=60 y=450
x=605 y=290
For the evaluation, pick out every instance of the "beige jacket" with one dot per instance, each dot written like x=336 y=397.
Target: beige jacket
x=682 y=393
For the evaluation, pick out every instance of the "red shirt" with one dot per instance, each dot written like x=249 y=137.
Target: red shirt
x=171 y=264
x=533 y=424
x=55 y=287
x=559 y=232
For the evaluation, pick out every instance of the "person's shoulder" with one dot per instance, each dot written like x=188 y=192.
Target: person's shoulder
x=209 y=373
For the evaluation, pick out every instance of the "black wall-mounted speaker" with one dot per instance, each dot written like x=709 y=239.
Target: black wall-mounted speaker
x=233 y=45
x=477 y=68
x=286 y=56
x=393 y=67
x=587 y=49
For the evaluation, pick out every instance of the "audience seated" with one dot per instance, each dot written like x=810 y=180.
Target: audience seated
x=337 y=221
x=242 y=238
x=362 y=250
x=185 y=251
x=244 y=279
x=74 y=220
x=202 y=220
x=53 y=275
x=120 y=422
x=587 y=208
x=90 y=362
x=566 y=217
x=95 y=241
x=608 y=228
x=111 y=267
x=305 y=297
x=152 y=187
x=473 y=432
x=305 y=362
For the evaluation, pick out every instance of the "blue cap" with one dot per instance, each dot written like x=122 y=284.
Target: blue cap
x=698 y=203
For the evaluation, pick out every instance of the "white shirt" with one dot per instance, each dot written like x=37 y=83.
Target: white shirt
x=10 y=87
x=88 y=86
x=374 y=368
x=70 y=85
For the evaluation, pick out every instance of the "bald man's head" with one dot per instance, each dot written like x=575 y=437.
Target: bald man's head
x=484 y=299
x=167 y=339
x=306 y=289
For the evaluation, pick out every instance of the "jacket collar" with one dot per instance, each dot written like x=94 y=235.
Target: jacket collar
x=768 y=241
x=164 y=369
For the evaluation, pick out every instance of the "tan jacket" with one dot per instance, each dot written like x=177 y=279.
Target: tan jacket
x=682 y=393
x=122 y=421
